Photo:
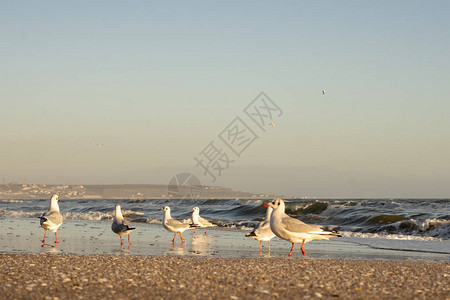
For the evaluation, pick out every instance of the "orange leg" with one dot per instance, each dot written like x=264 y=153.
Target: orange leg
x=121 y=242
x=269 y=247
x=290 y=253
x=45 y=231
x=204 y=228
x=173 y=241
x=181 y=237
x=129 y=239
x=195 y=229
x=56 y=238
x=260 y=247
x=303 y=250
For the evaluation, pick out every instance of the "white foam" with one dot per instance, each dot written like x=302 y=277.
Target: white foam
x=389 y=236
x=13 y=201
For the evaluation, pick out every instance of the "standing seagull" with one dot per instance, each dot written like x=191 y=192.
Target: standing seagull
x=198 y=221
x=263 y=231
x=120 y=226
x=52 y=218
x=293 y=230
x=172 y=224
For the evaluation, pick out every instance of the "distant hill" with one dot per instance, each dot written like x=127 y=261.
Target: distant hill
x=137 y=191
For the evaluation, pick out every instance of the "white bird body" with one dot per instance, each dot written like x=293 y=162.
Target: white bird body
x=173 y=225
x=52 y=219
x=198 y=221
x=293 y=230
x=262 y=232
x=120 y=225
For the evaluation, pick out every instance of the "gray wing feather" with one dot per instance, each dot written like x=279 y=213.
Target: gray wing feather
x=263 y=229
x=205 y=222
x=53 y=216
x=175 y=223
x=295 y=225
x=120 y=227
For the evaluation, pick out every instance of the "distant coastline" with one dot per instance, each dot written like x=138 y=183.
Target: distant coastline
x=120 y=191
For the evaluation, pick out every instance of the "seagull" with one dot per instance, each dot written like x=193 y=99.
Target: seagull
x=198 y=221
x=172 y=224
x=323 y=92
x=263 y=231
x=52 y=218
x=120 y=226
x=293 y=230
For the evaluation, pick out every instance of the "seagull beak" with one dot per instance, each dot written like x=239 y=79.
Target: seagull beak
x=161 y=209
x=192 y=209
x=265 y=205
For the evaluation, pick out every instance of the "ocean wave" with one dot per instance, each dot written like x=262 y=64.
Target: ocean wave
x=91 y=216
x=13 y=201
x=20 y=214
x=389 y=236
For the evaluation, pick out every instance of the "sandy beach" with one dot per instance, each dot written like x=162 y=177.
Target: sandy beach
x=89 y=263
x=68 y=276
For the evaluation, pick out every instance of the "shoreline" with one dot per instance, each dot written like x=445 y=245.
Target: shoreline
x=49 y=276
x=95 y=237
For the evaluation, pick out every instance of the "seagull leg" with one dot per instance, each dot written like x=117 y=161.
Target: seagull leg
x=204 y=228
x=129 y=239
x=290 y=253
x=269 y=247
x=181 y=237
x=303 y=250
x=260 y=247
x=45 y=231
x=173 y=241
x=121 y=242
x=56 y=238
x=195 y=229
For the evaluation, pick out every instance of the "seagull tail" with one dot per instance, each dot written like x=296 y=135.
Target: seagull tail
x=332 y=232
x=251 y=234
x=194 y=225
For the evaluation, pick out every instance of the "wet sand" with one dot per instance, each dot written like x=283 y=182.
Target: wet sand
x=95 y=237
x=69 y=276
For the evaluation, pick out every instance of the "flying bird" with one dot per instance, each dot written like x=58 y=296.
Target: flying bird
x=323 y=92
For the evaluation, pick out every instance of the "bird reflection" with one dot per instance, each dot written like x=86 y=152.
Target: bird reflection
x=176 y=250
x=201 y=244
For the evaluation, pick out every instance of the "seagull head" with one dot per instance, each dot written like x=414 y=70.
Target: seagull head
x=55 y=198
x=196 y=209
x=276 y=203
x=165 y=208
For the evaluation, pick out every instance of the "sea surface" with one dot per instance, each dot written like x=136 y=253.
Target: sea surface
x=421 y=225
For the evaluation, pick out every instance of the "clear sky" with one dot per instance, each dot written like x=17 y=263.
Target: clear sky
x=156 y=82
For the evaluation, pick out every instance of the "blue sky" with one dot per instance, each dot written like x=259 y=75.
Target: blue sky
x=156 y=82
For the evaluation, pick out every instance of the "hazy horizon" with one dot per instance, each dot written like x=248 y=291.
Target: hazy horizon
x=117 y=93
